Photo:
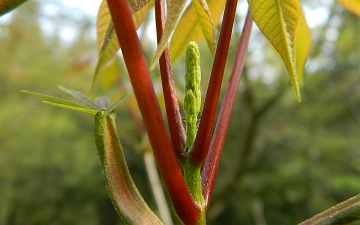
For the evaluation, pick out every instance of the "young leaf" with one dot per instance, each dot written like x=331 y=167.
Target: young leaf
x=8 y=5
x=303 y=45
x=107 y=41
x=80 y=109
x=206 y=22
x=278 y=21
x=174 y=10
x=189 y=29
x=79 y=96
x=102 y=102
x=54 y=99
x=351 y=5
x=125 y=197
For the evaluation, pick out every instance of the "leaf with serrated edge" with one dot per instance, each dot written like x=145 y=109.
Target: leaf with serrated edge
x=278 y=21
x=79 y=96
x=189 y=29
x=174 y=10
x=80 y=109
x=303 y=46
x=351 y=5
x=107 y=41
x=206 y=22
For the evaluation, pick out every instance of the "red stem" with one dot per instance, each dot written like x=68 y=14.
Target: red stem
x=187 y=210
x=212 y=160
x=176 y=128
x=204 y=134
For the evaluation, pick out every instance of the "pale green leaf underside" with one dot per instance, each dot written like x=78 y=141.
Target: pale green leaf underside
x=174 y=10
x=206 y=22
x=351 y=5
x=189 y=29
x=277 y=20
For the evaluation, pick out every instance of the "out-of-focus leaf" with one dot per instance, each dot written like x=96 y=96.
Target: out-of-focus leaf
x=303 y=46
x=174 y=10
x=351 y=5
x=278 y=21
x=206 y=22
x=107 y=41
x=8 y=5
x=345 y=212
x=117 y=102
x=189 y=28
x=125 y=197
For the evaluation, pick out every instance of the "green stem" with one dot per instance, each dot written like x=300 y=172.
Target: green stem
x=193 y=180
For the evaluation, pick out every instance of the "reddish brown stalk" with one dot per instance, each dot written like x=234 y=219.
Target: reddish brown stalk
x=187 y=210
x=177 y=132
x=204 y=134
x=212 y=160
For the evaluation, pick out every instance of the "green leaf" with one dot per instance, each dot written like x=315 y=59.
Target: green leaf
x=189 y=29
x=80 y=109
x=351 y=5
x=125 y=197
x=278 y=21
x=174 y=10
x=343 y=213
x=8 y=5
x=80 y=96
x=303 y=46
x=107 y=42
x=55 y=99
x=206 y=22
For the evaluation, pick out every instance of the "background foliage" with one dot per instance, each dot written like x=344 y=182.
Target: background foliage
x=283 y=161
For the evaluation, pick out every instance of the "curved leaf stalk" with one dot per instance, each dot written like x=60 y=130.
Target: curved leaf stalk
x=345 y=212
x=185 y=207
x=212 y=161
x=203 y=138
x=125 y=197
x=176 y=128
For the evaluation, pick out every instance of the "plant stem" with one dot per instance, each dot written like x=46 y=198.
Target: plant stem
x=203 y=138
x=185 y=207
x=193 y=180
x=176 y=127
x=212 y=161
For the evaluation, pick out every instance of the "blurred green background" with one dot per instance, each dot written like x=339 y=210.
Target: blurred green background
x=282 y=163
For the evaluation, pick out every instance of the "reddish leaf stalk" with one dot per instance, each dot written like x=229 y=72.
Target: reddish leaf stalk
x=204 y=134
x=177 y=132
x=212 y=160
x=187 y=210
